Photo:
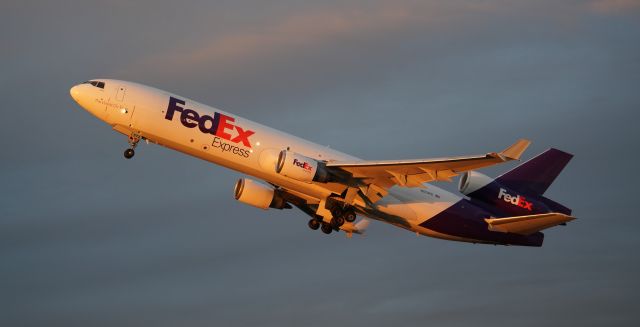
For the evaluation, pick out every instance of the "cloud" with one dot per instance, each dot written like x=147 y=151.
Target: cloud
x=614 y=6
x=312 y=29
x=298 y=31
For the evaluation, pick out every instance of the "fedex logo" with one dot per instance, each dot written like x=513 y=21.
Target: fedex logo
x=518 y=200
x=219 y=125
x=302 y=164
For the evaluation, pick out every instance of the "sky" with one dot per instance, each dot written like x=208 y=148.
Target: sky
x=88 y=238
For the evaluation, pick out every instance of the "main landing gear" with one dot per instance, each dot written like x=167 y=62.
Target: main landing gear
x=314 y=224
x=326 y=228
x=133 y=142
x=340 y=216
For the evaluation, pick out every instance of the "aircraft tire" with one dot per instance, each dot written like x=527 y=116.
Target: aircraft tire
x=337 y=221
x=129 y=153
x=350 y=216
x=314 y=224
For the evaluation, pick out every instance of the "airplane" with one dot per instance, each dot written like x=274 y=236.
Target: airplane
x=334 y=188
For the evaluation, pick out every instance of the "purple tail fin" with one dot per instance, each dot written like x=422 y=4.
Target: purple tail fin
x=536 y=175
x=520 y=191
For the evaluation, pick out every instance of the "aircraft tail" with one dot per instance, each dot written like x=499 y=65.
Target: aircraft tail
x=527 y=225
x=520 y=190
x=536 y=175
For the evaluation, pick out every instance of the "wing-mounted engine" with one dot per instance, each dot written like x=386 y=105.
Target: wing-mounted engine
x=303 y=168
x=259 y=195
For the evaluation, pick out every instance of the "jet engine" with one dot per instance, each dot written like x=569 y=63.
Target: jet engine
x=302 y=168
x=472 y=181
x=258 y=195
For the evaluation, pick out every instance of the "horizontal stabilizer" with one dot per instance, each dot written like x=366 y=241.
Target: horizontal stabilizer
x=527 y=225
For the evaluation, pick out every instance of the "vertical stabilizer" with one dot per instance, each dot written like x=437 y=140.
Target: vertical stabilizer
x=536 y=175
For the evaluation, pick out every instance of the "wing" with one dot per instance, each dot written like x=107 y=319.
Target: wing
x=413 y=173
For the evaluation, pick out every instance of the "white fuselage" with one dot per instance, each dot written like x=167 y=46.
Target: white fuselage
x=245 y=146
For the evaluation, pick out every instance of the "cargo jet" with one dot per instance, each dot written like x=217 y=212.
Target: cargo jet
x=334 y=188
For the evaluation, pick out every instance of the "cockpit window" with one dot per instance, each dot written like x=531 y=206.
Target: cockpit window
x=95 y=83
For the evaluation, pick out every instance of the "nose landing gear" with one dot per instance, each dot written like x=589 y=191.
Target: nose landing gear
x=129 y=153
x=133 y=142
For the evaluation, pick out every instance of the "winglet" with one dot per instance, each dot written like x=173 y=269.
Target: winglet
x=515 y=151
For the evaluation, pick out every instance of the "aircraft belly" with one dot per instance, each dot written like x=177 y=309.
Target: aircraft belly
x=408 y=207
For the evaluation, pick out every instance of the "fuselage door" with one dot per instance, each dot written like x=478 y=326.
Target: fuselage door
x=119 y=111
x=120 y=93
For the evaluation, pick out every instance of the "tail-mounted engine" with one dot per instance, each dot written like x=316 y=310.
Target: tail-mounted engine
x=472 y=181
x=258 y=195
x=502 y=198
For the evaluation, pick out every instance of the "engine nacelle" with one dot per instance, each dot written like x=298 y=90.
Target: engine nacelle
x=504 y=199
x=472 y=181
x=302 y=168
x=258 y=195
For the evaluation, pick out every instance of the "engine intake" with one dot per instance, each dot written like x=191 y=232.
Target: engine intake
x=258 y=195
x=302 y=168
x=472 y=181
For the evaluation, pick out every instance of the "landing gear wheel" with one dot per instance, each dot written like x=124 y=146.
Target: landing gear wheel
x=129 y=153
x=350 y=216
x=314 y=224
x=336 y=222
x=326 y=228
x=133 y=142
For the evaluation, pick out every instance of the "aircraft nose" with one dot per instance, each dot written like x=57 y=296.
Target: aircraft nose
x=75 y=92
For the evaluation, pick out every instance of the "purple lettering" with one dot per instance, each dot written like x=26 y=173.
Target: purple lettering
x=173 y=107
x=189 y=118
